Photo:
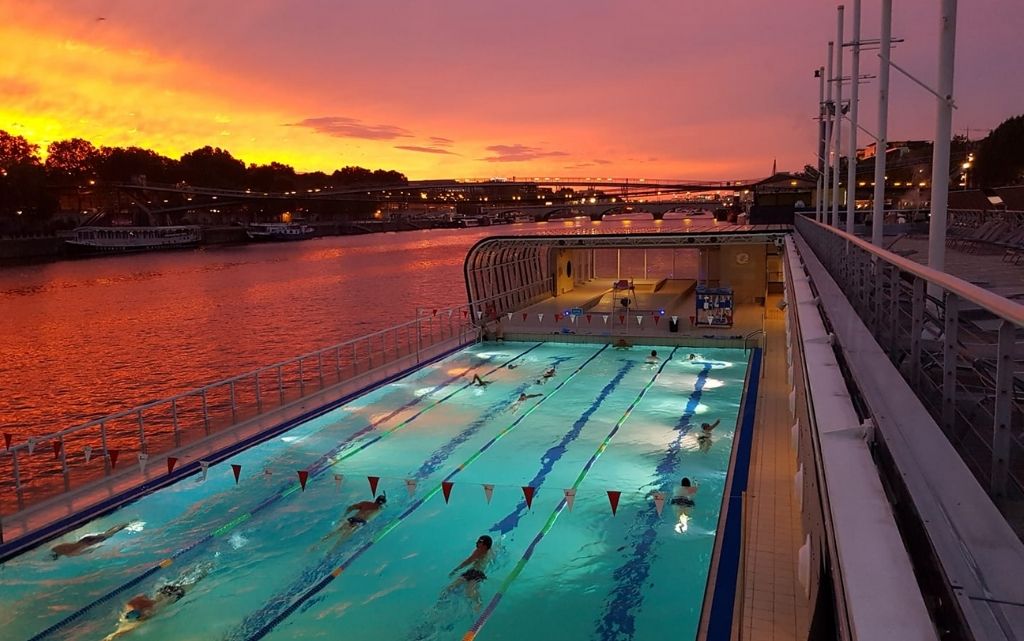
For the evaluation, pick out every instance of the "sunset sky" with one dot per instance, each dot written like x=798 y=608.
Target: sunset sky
x=480 y=88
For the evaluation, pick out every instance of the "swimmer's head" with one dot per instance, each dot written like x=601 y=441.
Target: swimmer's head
x=706 y=427
x=485 y=541
x=131 y=615
x=381 y=500
x=654 y=353
x=692 y=357
x=686 y=481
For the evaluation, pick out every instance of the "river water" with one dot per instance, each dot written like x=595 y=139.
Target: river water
x=89 y=337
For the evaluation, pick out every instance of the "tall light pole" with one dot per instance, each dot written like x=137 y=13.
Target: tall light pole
x=851 y=163
x=828 y=135
x=819 y=198
x=838 y=126
x=882 y=145
x=943 y=131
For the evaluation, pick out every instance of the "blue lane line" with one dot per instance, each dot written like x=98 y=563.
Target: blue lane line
x=618 y=621
x=257 y=625
x=322 y=464
x=720 y=619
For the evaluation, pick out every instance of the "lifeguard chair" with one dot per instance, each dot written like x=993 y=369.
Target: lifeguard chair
x=623 y=295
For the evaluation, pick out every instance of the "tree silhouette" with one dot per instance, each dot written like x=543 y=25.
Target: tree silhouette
x=72 y=159
x=1000 y=158
x=15 y=150
x=213 y=167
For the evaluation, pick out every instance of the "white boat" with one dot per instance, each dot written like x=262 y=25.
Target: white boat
x=279 y=231
x=132 y=239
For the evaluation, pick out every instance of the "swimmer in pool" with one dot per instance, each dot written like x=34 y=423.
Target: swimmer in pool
x=479 y=382
x=621 y=344
x=704 y=438
x=653 y=358
x=683 y=502
x=365 y=511
x=84 y=544
x=472 y=577
x=546 y=376
x=514 y=407
x=143 y=607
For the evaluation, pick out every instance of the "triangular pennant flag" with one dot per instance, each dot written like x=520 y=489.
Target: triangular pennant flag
x=113 y=454
x=205 y=467
x=622 y=319
x=509 y=314
x=88 y=453
x=31 y=445
x=525 y=315
x=374 y=480
x=588 y=319
x=435 y=312
x=613 y=498
x=465 y=313
x=639 y=320
x=410 y=485
x=143 y=459
x=604 y=317
x=656 y=319
x=236 y=469
x=659 y=502
x=338 y=478
x=303 y=477
x=479 y=314
x=570 y=497
x=171 y=462
x=488 y=491
x=675 y=319
x=572 y=319
x=528 y=493
x=540 y=318
x=450 y=311
x=446 y=489
x=7 y=440
x=558 y=317
x=56 y=449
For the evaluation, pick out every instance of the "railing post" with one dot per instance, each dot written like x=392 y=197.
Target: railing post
x=234 y=406
x=1003 y=405
x=16 y=469
x=877 y=298
x=419 y=338
x=103 y=444
x=337 y=362
x=64 y=464
x=302 y=379
x=206 y=413
x=894 y=308
x=280 y=385
x=259 y=394
x=142 y=432
x=916 y=327
x=949 y=359
x=174 y=422
x=320 y=367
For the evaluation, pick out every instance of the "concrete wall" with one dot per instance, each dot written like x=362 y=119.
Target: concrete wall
x=564 y=282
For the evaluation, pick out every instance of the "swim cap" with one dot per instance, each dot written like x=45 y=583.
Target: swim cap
x=486 y=540
x=381 y=500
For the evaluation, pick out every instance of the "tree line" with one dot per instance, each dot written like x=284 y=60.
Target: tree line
x=31 y=188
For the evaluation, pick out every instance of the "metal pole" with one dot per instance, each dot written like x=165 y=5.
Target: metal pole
x=828 y=136
x=851 y=172
x=818 y=198
x=943 y=126
x=878 y=215
x=838 y=125
x=618 y=264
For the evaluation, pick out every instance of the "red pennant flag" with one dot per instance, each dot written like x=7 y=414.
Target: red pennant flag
x=171 y=462
x=446 y=489
x=374 y=480
x=528 y=493
x=113 y=457
x=7 y=440
x=236 y=469
x=524 y=315
x=465 y=313
x=56 y=449
x=613 y=498
x=435 y=312
x=622 y=319
x=588 y=319
x=558 y=317
x=656 y=319
x=303 y=476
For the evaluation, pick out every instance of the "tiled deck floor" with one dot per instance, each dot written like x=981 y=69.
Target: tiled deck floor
x=773 y=607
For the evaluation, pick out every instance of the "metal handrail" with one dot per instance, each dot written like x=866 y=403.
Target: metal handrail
x=994 y=303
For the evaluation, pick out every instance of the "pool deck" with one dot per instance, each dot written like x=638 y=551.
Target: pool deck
x=772 y=606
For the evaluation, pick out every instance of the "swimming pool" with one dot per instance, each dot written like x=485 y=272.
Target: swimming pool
x=253 y=564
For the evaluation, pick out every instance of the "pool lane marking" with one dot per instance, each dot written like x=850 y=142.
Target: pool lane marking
x=514 y=574
x=319 y=585
x=627 y=594
x=326 y=461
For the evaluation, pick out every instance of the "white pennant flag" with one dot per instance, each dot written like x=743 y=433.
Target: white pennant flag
x=639 y=320
x=604 y=317
x=488 y=491
x=570 y=496
x=410 y=485
x=509 y=314
x=675 y=319
x=143 y=458
x=88 y=453
x=31 y=445
x=540 y=318
x=450 y=313
x=479 y=314
x=338 y=478
x=204 y=466
x=659 y=502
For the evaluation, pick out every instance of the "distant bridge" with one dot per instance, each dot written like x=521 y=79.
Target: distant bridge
x=596 y=211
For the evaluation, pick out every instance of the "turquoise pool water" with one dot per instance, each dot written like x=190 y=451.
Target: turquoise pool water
x=253 y=565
